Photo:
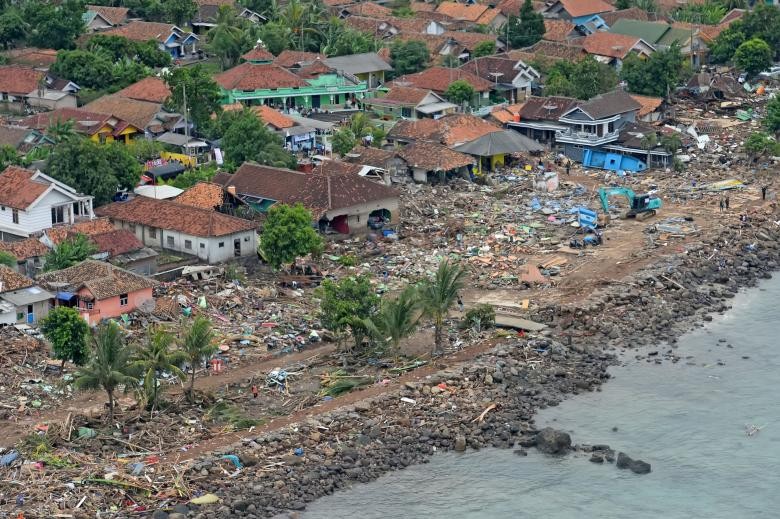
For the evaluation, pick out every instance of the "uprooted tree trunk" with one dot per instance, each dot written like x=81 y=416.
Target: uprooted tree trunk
x=110 y=393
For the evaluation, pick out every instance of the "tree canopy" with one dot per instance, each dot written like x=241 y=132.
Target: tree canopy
x=657 y=75
x=67 y=332
x=459 y=92
x=245 y=138
x=288 y=234
x=763 y=22
x=203 y=94
x=69 y=252
x=484 y=48
x=753 y=56
x=408 y=56
x=583 y=79
x=772 y=118
x=97 y=169
x=52 y=24
x=526 y=29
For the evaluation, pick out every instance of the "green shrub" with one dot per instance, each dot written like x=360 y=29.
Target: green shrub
x=481 y=316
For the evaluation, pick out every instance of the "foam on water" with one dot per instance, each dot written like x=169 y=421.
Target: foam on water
x=687 y=421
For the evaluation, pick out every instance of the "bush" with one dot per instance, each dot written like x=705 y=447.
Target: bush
x=482 y=316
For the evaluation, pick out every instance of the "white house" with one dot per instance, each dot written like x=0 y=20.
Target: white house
x=31 y=202
x=211 y=236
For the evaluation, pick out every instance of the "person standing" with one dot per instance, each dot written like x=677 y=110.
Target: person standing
x=568 y=167
x=722 y=205
x=460 y=304
x=727 y=203
x=763 y=192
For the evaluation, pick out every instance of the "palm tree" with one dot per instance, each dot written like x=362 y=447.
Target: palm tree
x=109 y=368
x=61 y=130
x=397 y=318
x=153 y=359
x=301 y=19
x=197 y=345
x=229 y=39
x=437 y=295
x=360 y=125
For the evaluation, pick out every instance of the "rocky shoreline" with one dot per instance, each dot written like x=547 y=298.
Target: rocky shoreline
x=490 y=401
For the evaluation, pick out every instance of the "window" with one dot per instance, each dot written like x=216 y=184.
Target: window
x=188 y=244
x=202 y=245
x=153 y=233
x=15 y=216
x=122 y=299
x=58 y=215
x=406 y=112
x=20 y=316
x=221 y=244
x=131 y=226
x=170 y=241
x=90 y=306
x=246 y=238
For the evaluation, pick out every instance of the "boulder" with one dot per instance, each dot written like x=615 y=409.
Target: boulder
x=460 y=444
x=550 y=441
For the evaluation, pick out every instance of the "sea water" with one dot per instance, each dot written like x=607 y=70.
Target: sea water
x=688 y=420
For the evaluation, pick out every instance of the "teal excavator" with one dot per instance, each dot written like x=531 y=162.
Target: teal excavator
x=640 y=206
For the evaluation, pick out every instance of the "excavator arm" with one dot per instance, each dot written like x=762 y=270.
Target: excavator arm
x=606 y=192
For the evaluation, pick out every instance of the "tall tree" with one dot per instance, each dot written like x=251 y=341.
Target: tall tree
x=753 y=56
x=54 y=25
x=155 y=357
x=772 y=118
x=409 y=56
x=69 y=252
x=230 y=38
x=437 y=295
x=67 y=333
x=108 y=369
x=245 y=138
x=97 y=169
x=526 y=29
x=276 y=37
x=179 y=11
x=484 y=48
x=12 y=27
x=288 y=234
x=397 y=318
x=343 y=141
x=87 y=69
x=347 y=304
x=657 y=75
x=198 y=345
x=459 y=92
x=203 y=94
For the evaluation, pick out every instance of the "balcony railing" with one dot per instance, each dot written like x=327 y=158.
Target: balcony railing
x=578 y=137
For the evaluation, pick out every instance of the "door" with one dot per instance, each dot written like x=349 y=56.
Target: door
x=315 y=101
x=30 y=314
x=237 y=247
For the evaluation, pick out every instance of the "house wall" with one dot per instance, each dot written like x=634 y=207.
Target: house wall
x=111 y=307
x=68 y=101
x=40 y=311
x=37 y=219
x=206 y=249
x=357 y=215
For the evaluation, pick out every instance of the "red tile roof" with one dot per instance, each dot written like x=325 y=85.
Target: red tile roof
x=292 y=58
x=250 y=76
x=649 y=104
x=116 y=242
x=206 y=195
x=577 y=8
x=16 y=79
x=486 y=66
x=458 y=11
x=549 y=49
x=113 y=15
x=319 y=193
x=11 y=280
x=88 y=228
x=439 y=78
x=557 y=30
x=314 y=70
x=17 y=188
x=31 y=57
x=102 y=279
x=418 y=7
x=152 y=89
x=25 y=249
x=450 y=130
x=632 y=13
x=370 y=9
x=273 y=117
x=137 y=113
x=469 y=40
x=164 y=214
x=609 y=44
x=369 y=156
x=143 y=31
x=433 y=157
x=85 y=122
x=406 y=95
x=258 y=54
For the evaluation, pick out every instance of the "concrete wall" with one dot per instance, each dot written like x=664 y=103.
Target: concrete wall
x=40 y=311
x=357 y=215
x=111 y=307
x=210 y=250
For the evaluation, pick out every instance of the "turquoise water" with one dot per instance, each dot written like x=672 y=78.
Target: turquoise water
x=687 y=421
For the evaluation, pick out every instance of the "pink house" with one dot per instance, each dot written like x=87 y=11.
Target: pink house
x=99 y=290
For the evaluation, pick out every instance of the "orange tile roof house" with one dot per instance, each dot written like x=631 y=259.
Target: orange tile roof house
x=151 y=89
x=438 y=79
x=344 y=201
x=99 y=290
x=409 y=103
x=100 y=17
x=99 y=127
x=211 y=236
x=578 y=11
x=512 y=79
x=559 y=30
x=476 y=13
x=23 y=87
x=614 y=48
x=206 y=195
x=148 y=116
x=451 y=130
x=31 y=57
x=31 y=202
x=121 y=248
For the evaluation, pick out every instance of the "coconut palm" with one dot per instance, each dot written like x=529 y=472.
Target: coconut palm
x=397 y=318
x=197 y=345
x=154 y=358
x=229 y=39
x=302 y=20
x=109 y=368
x=438 y=294
x=61 y=130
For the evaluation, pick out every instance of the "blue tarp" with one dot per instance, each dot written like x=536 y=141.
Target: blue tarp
x=65 y=296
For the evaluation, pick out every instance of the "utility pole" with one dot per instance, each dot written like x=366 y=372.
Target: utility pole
x=186 y=122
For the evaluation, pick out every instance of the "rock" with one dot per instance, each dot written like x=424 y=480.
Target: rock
x=460 y=444
x=623 y=461
x=597 y=458
x=640 y=467
x=298 y=505
x=177 y=515
x=160 y=514
x=180 y=509
x=550 y=441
